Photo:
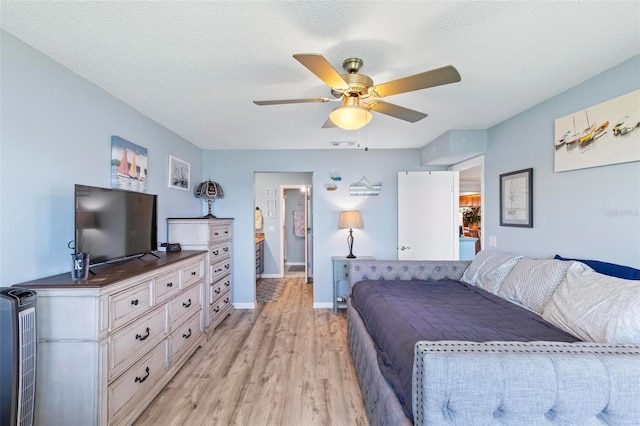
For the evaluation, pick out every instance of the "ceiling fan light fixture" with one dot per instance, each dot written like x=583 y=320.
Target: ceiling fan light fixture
x=351 y=115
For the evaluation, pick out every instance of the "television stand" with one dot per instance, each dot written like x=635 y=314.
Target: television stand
x=151 y=253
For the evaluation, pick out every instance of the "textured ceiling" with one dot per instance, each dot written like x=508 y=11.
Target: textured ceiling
x=195 y=67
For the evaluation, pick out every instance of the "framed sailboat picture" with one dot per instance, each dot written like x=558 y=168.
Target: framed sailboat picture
x=179 y=174
x=602 y=134
x=516 y=199
x=128 y=165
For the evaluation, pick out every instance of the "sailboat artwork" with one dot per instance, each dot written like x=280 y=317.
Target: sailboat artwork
x=128 y=165
x=597 y=143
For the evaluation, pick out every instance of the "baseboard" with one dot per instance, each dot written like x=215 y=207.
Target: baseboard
x=322 y=305
x=293 y=263
x=244 y=305
x=271 y=276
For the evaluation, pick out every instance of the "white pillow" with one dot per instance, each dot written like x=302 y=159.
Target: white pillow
x=596 y=307
x=488 y=270
x=532 y=282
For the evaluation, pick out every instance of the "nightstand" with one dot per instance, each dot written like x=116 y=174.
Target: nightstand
x=341 y=280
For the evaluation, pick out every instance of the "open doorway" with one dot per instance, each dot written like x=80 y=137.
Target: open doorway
x=471 y=186
x=295 y=225
x=277 y=220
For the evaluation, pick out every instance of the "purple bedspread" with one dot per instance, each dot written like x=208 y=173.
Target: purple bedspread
x=397 y=314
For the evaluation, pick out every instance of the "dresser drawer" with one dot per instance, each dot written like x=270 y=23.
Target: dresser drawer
x=220 y=231
x=219 y=287
x=136 y=339
x=220 y=310
x=166 y=286
x=129 y=304
x=220 y=251
x=191 y=273
x=220 y=269
x=186 y=303
x=220 y=306
x=136 y=380
x=184 y=335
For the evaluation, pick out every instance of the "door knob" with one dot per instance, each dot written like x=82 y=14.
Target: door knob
x=404 y=248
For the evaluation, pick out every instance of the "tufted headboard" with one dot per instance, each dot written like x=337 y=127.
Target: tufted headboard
x=405 y=270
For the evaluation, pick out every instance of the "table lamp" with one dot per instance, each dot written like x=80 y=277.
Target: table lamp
x=350 y=219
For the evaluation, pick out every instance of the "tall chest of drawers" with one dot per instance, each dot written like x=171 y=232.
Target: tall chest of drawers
x=215 y=236
x=108 y=346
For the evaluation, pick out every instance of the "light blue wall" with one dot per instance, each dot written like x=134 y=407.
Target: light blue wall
x=589 y=213
x=56 y=131
x=234 y=170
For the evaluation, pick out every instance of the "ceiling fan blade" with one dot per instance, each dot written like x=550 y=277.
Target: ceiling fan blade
x=292 y=101
x=328 y=124
x=436 y=77
x=318 y=65
x=396 y=111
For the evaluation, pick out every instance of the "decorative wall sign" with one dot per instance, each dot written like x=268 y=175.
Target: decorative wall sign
x=128 y=165
x=271 y=193
x=516 y=199
x=179 y=174
x=606 y=133
x=271 y=203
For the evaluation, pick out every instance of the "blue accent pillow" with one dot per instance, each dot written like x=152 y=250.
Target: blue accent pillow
x=611 y=269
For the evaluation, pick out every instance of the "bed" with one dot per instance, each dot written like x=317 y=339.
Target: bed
x=412 y=313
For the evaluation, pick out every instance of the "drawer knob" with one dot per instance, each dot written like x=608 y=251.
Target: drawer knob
x=217 y=290
x=226 y=249
x=194 y=273
x=134 y=302
x=218 y=270
x=141 y=338
x=216 y=309
x=142 y=379
x=215 y=252
x=227 y=266
x=226 y=300
x=215 y=233
x=186 y=336
x=169 y=284
x=186 y=304
x=227 y=283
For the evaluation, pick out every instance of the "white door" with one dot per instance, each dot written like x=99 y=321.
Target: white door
x=428 y=217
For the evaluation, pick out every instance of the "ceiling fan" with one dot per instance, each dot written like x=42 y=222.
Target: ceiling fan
x=360 y=96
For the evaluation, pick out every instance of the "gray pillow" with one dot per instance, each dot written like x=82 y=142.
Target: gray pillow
x=488 y=270
x=532 y=282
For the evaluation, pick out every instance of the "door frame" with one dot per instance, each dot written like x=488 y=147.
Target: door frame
x=308 y=240
x=469 y=164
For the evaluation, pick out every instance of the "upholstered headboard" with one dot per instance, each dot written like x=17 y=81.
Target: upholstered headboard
x=425 y=270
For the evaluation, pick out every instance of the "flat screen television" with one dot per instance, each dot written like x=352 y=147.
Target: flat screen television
x=113 y=224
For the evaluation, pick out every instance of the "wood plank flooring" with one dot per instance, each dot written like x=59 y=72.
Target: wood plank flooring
x=283 y=363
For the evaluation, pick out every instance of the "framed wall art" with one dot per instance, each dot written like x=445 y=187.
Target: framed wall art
x=128 y=165
x=271 y=203
x=602 y=134
x=179 y=174
x=271 y=193
x=516 y=198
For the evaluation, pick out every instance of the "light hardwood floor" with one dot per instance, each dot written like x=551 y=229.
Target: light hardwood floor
x=283 y=363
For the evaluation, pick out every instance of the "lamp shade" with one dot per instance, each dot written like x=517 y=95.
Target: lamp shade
x=350 y=219
x=351 y=115
x=209 y=191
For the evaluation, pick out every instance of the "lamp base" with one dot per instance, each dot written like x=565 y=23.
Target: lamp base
x=209 y=216
x=350 y=244
x=351 y=256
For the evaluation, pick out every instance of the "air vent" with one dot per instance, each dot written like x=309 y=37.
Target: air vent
x=344 y=144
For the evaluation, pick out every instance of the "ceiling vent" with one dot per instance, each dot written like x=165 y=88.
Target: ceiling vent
x=344 y=144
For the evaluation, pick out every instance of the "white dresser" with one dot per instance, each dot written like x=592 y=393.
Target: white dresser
x=108 y=346
x=213 y=235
